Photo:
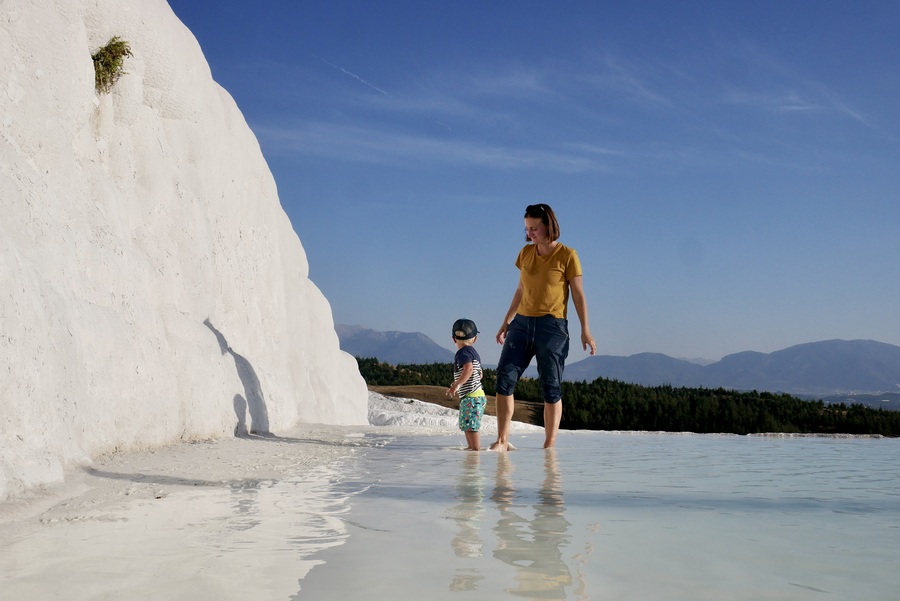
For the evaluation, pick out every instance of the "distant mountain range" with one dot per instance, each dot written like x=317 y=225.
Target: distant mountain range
x=834 y=370
x=830 y=367
x=392 y=347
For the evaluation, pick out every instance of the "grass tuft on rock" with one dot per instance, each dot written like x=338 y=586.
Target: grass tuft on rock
x=109 y=63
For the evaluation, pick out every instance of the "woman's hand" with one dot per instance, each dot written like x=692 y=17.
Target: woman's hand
x=501 y=334
x=511 y=312
x=588 y=341
x=580 y=301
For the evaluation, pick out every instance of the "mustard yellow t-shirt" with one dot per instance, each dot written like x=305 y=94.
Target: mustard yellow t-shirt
x=545 y=280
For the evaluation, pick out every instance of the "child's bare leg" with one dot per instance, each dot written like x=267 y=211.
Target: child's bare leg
x=473 y=438
x=505 y=406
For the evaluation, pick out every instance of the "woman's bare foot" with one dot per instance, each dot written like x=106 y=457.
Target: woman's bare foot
x=502 y=447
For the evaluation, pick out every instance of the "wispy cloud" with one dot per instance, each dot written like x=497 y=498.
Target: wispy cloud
x=815 y=100
x=363 y=145
x=853 y=114
x=593 y=149
x=630 y=81
x=787 y=102
x=506 y=81
x=621 y=80
x=775 y=84
x=351 y=74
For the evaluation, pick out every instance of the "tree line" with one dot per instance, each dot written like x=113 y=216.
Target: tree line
x=613 y=405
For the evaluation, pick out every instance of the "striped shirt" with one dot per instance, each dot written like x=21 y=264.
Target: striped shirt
x=467 y=354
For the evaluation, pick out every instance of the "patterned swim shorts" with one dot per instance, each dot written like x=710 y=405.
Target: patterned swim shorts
x=471 y=410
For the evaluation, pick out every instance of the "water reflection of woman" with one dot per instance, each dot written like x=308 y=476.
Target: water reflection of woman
x=533 y=547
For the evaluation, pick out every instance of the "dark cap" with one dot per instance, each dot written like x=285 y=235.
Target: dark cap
x=463 y=329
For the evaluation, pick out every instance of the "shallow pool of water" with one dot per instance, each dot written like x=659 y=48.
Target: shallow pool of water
x=614 y=516
x=620 y=516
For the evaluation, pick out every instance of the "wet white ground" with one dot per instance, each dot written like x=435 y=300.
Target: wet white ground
x=400 y=511
x=204 y=520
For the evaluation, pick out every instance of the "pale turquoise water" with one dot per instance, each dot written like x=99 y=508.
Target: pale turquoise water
x=620 y=516
x=606 y=516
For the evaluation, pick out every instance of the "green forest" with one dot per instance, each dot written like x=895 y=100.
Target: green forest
x=612 y=405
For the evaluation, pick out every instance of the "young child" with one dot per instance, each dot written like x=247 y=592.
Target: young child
x=467 y=374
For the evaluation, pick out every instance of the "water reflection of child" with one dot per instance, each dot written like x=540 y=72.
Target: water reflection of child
x=467 y=374
x=467 y=514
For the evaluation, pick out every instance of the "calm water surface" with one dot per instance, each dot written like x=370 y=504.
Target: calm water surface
x=620 y=516
x=604 y=517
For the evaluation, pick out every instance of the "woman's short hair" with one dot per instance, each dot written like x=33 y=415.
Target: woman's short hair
x=547 y=217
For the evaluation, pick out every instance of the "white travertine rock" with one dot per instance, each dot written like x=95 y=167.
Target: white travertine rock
x=153 y=288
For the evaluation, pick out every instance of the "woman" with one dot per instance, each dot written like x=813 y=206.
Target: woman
x=535 y=324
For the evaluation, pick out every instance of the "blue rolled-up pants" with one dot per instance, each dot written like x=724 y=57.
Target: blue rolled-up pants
x=545 y=338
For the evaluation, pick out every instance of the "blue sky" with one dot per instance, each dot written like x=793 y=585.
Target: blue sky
x=729 y=172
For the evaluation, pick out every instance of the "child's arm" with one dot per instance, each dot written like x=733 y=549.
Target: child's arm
x=467 y=371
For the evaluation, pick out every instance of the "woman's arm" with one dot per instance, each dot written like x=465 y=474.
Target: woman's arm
x=510 y=313
x=575 y=284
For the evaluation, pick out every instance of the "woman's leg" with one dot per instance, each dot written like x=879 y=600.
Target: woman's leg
x=551 y=349
x=505 y=405
x=514 y=359
x=552 y=416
